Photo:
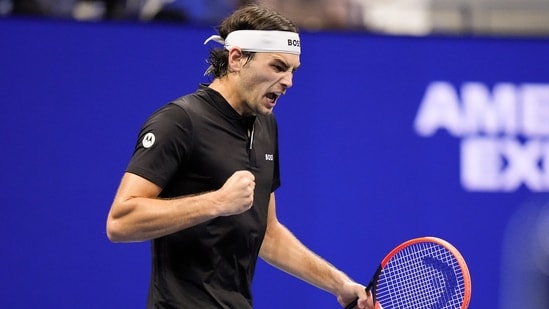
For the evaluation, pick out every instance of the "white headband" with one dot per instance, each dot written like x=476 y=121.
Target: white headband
x=261 y=41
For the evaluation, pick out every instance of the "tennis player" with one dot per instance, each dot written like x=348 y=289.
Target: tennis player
x=200 y=184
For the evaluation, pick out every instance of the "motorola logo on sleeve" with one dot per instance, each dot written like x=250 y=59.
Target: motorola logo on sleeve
x=504 y=132
x=148 y=140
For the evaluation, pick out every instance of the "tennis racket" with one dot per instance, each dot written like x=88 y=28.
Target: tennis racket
x=421 y=273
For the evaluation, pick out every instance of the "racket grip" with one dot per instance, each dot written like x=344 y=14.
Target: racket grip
x=352 y=304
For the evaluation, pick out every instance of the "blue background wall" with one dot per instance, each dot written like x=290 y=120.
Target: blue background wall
x=357 y=177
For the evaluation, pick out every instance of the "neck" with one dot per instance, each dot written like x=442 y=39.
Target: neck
x=225 y=87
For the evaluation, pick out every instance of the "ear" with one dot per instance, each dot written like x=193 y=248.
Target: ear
x=235 y=57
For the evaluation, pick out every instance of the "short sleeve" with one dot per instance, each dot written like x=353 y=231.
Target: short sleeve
x=163 y=145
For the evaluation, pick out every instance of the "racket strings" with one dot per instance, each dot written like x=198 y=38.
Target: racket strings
x=422 y=275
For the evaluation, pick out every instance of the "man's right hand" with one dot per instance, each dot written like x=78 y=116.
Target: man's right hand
x=237 y=194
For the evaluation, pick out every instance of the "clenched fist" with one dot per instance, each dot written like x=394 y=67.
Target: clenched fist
x=237 y=194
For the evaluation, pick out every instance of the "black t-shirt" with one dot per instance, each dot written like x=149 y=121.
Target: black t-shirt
x=193 y=145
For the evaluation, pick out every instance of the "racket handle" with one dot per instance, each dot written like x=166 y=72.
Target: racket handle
x=352 y=304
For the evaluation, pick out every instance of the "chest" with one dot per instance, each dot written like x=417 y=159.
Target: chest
x=221 y=147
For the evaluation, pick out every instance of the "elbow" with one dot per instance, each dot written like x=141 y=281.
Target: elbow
x=119 y=232
x=115 y=232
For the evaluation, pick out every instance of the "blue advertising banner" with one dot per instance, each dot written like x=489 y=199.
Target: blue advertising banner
x=382 y=139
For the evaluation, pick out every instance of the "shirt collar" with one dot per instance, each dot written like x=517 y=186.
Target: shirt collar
x=218 y=101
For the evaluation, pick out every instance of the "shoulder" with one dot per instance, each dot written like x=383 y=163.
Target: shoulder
x=166 y=115
x=178 y=110
x=192 y=101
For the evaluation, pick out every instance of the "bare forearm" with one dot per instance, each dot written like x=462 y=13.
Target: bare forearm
x=140 y=219
x=284 y=251
x=137 y=214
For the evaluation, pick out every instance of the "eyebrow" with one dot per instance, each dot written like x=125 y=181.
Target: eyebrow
x=285 y=64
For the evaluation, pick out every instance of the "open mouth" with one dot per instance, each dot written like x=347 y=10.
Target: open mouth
x=272 y=96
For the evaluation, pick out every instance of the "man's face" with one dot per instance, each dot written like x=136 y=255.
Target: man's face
x=264 y=79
